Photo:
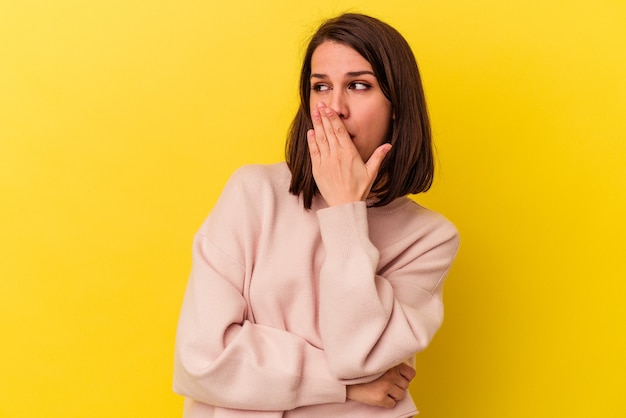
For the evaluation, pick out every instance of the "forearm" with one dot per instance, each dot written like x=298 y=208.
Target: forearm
x=260 y=369
x=370 y=322
x=225 y=360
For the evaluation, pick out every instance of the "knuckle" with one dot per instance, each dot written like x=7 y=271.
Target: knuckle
x=409 y=372
x=386 y=386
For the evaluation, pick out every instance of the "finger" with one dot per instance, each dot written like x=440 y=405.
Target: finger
x=313 y=148
x=391 y=404
x=406 y=371
x=334 y=124
x=399 y=380
x=402 y=383
x=329 y=133
x=376 y=159
x=388 y=402
x=320 y=134
x=396 y=393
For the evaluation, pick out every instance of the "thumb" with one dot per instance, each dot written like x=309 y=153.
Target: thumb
x=373 y=164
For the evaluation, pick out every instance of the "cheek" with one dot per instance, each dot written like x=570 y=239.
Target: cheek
x=377 y=125
x=379 y=121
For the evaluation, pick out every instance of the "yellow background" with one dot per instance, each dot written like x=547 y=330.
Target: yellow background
x=120 y=121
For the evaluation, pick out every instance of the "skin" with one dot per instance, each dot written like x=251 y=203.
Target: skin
x=386 y=391
x=351 y=120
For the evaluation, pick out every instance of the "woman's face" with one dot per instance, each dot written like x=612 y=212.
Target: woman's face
x=345 y=82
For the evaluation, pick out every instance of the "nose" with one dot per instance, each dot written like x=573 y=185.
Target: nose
x=339 y=103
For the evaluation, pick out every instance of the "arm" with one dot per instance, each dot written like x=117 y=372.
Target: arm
x=370 y=320
x=386 y=391
x=221 y=357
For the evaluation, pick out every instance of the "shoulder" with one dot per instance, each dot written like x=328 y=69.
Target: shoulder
x=432 y=221
x=250 y=191
x=257 y=177
x=411 y=214
x=407 y=221
x=260 y=189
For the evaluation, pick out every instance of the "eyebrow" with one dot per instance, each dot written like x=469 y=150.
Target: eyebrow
x=349 y=74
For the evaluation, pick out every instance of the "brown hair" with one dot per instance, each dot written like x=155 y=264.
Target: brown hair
x=409 y=166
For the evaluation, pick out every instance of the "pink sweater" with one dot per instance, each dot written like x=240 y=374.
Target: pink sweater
x=285 y=307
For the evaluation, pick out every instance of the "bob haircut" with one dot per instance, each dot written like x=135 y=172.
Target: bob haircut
x=409 y=167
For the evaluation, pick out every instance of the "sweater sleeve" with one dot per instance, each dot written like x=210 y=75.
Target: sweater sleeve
x=372 y=320
x=224 y=359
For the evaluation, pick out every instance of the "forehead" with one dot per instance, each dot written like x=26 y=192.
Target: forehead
x=333 y=56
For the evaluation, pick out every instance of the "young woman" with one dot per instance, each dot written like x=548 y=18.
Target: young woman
x=315 y=282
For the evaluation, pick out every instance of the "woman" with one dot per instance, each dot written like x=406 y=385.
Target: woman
x=315 y=282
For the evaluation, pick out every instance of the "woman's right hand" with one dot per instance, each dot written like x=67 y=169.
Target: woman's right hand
x=339 y=171
x=387 y=390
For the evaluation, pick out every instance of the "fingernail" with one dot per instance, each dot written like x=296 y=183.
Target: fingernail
x=321 y=105
x=315 y=114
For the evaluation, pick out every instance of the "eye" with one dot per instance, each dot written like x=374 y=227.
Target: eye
x=320 y=87
x=359 y=85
